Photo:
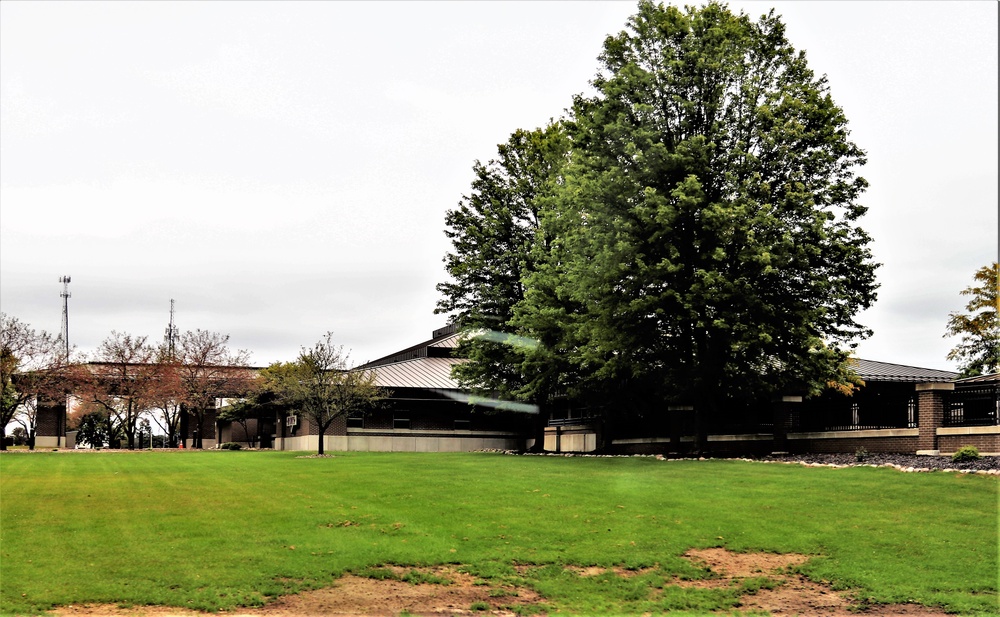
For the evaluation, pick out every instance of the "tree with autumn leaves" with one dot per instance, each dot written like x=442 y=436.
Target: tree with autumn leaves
x=31 y=368
x=128 y=378
x=978 y=349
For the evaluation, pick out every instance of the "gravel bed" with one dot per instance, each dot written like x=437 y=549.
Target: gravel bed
x=903 y=461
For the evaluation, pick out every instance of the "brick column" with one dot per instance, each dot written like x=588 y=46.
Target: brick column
x=782 y=407
x=930 y=414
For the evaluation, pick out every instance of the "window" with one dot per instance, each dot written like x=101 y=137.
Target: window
x=356 y=421
x=400 y=422
x=463 y=424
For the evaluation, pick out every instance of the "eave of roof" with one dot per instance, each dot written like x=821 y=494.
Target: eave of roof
x=871 y=370
x=992 y=378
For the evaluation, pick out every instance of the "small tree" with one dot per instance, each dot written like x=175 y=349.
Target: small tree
x=167 y=395
x=321 y=385
x=19 y=435
x=120 y=380
x=31 y=365
x=208 y=370
x=978 y=351
x=92 y=429
x=242 y=412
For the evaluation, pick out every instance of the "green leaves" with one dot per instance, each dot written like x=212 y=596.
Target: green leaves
x=697 y=240
x=979 y=347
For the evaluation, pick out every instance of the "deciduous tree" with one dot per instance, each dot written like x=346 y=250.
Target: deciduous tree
x=120 y=380
x=321 y=385
x=167 y=395
x=710 y=214
x=31 y=365
x=978 y=350
x=209 y=370
x=493 y=231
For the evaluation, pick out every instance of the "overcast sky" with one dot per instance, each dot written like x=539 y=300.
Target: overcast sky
x=283 y=169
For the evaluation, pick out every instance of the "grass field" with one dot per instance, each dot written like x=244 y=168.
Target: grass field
x=214 y=530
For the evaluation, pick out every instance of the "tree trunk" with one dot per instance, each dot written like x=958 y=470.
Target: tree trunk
x=540 y=421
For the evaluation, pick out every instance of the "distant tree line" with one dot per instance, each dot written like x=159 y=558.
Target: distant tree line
x=128 y=381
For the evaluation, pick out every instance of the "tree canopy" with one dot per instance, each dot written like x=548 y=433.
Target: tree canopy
x=701 y=240
x=978 y=349
x=321 y=385
x=31 y=365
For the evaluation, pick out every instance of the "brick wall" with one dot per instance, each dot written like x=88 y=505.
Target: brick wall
x=930 y=410
x=886 y=445
x=51 y=420
x=985 y=443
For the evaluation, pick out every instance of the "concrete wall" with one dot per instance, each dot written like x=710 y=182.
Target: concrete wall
x=570 y=439
x=361 y=440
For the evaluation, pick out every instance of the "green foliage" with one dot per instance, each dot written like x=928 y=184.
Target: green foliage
x=698 y=240
x=978 y=351
x=479 y=606
x=861 y=454
x=222 y=531
x=230 y=445
x=966 y=454
x=92 y=430
x=321 y=385
x=494 y=232
x=19 y=435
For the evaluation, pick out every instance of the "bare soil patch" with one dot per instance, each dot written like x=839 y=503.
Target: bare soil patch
x=793 y=594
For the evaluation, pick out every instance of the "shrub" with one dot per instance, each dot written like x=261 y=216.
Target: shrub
x=966 y=453
x=230 y=445
x=860 y=454
x=480 y=606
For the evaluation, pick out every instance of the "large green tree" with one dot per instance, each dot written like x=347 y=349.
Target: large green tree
x=493 y=232
x=978 y=350
x=707 y=237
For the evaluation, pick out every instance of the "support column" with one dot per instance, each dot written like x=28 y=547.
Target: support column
x=930 y=415
x=674 y=420
x=783 y=407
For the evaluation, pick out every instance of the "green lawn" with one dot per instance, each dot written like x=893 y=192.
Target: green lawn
x=213 y=530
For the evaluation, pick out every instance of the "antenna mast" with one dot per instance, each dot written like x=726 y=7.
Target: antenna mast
x=170 y=334
x=65 y=313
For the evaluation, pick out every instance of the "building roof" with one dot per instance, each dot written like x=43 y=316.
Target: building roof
x=441 y=344
x=870 y=370
x=422 y=372
x=993 y=378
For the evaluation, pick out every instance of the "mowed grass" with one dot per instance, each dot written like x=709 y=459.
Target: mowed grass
x=216 y=530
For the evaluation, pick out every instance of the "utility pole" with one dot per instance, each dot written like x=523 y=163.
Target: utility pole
x=65 y=313
x=61 y=431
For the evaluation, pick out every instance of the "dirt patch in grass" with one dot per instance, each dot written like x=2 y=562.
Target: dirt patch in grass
x=463 y=594
x=792 y=594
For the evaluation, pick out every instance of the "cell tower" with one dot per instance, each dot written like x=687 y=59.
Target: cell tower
x=65 y=316
x=170 y=334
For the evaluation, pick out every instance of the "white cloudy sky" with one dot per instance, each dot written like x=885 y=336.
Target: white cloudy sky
x=283 y=169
